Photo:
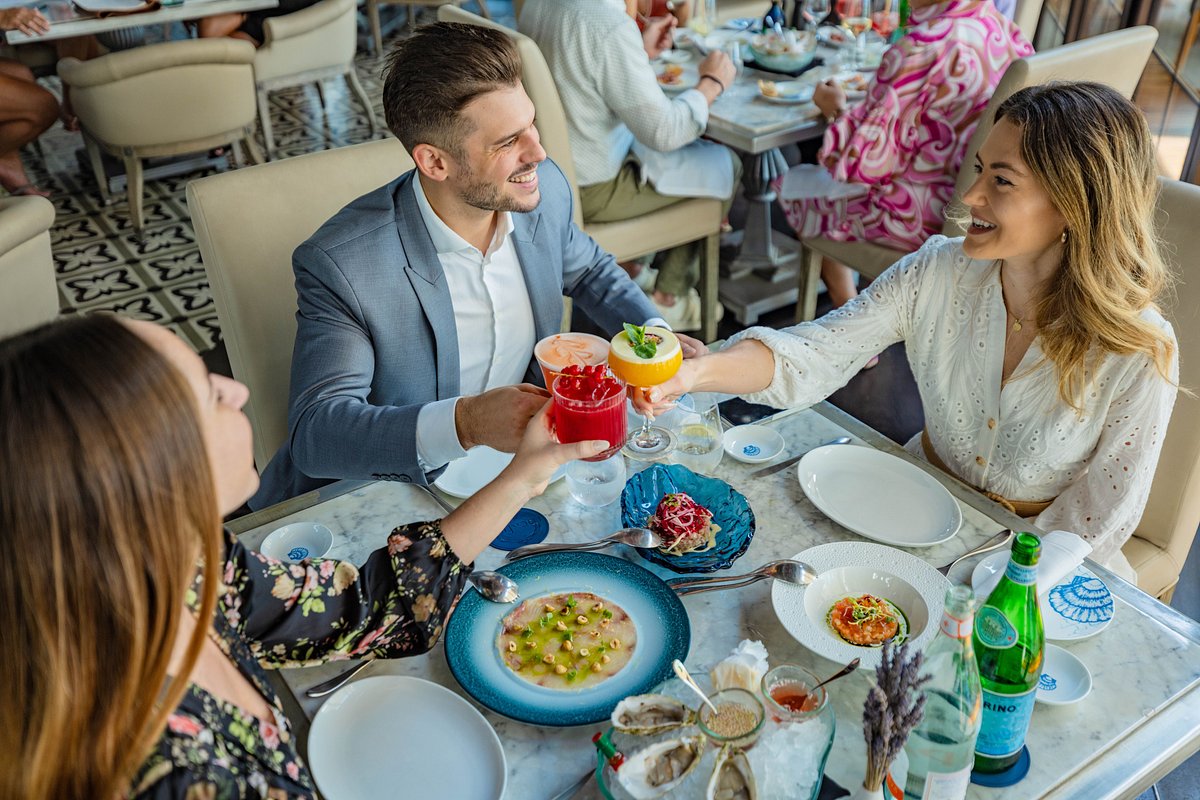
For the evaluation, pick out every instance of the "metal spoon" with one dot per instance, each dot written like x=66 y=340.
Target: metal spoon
x=994 y=543
x=634 y=537
x=786 y=570
x=686 y=677
x=491 y=586
x=843 y=672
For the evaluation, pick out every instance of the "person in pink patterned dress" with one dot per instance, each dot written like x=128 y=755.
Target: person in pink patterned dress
x=906 y=139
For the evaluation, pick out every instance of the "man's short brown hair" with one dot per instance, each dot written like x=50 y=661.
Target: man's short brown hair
x=433 y=75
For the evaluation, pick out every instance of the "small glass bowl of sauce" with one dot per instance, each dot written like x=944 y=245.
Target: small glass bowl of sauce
x=787 y=696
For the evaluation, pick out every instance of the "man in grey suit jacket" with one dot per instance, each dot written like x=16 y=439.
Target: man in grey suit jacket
x=420 y=302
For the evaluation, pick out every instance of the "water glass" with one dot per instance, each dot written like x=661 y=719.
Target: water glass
x=697 y=424
x=733 y=49
x=596 y=483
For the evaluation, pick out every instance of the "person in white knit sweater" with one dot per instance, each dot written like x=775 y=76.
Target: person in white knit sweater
x=635 y=149
x=1046 y=372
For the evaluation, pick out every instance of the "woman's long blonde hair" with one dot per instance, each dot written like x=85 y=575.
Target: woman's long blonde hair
x=107 y=508
x=1091 y=151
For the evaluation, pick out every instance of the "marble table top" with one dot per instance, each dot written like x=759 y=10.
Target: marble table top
x=1141 y=719
x=68 y=20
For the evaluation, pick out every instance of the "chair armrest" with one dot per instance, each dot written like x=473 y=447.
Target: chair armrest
x=305 y=20
x=22 y=219
x=152 y=58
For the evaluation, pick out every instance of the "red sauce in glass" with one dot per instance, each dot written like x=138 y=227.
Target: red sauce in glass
x=794 y=699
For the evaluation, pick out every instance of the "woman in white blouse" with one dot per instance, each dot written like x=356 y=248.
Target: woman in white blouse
x=1046 y=372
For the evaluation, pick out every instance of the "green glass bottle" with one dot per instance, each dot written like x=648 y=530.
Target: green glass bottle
x=902 y=28
x=1009 y=646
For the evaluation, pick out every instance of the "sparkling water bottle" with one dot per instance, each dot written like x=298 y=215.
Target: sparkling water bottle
x=941 y=749
x=1009 y=644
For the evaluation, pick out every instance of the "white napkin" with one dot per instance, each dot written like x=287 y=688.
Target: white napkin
x=744 y=667
x=1062 y=551
x=810 y=180
x=700 y=169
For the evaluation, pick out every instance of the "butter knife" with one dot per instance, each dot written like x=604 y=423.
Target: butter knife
x=574 y=787
x=782 y=465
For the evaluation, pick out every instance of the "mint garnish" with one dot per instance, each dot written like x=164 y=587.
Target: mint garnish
x=642 y=346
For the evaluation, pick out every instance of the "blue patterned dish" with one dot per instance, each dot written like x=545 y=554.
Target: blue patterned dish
x=729 y=508
x=1078 y=606
x=663 y=635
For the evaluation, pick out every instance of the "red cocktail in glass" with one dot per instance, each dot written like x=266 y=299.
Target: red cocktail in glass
x=589 y=403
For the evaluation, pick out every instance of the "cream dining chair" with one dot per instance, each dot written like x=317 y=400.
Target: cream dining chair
x=1116 y=59
x=247 y=224
x=683 y=222
x=28 y=288
x=1164 y=536
x=308 y=46
x=163 y=100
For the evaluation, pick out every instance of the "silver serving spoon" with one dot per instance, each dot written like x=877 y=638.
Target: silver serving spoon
x=786 y=570
x=491 y=585
x=843 y=672
x=690 y=682
x=634 y=537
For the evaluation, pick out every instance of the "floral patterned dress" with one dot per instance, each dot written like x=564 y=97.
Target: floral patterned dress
x=272 y=614
x=907 y=138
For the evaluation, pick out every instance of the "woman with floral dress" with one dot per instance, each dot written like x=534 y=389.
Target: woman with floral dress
x=904 y=142
x=130 y=671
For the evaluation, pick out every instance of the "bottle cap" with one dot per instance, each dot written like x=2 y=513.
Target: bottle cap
x=527 y=527
x=1014 y=774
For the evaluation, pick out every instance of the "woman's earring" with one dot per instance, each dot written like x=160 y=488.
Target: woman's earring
x=1064 y=237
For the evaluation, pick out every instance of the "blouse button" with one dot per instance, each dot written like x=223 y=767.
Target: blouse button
x=981 y=461
x=991 y=424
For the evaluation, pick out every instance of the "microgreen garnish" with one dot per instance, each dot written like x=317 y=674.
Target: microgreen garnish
x=643 y=347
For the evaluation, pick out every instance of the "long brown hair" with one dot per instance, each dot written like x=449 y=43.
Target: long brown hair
x=1091 y=150
x=107 y=508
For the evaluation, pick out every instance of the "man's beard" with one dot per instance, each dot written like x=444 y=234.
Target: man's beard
x=489 y=197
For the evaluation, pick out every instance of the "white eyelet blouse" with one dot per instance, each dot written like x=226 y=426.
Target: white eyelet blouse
x=1018 y=439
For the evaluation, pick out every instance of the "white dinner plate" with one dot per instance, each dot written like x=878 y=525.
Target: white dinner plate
x=879 y=495
x=466 y=476
x=1078 y=606
x=850 y=569
x=399 y=737
x=790 y=93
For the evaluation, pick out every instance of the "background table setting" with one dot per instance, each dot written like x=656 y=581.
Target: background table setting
x=1139 y=716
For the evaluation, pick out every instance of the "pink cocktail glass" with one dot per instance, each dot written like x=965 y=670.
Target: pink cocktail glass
x=589 y=403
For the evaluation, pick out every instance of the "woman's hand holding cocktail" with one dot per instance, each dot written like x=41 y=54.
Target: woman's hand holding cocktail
x=539 y=454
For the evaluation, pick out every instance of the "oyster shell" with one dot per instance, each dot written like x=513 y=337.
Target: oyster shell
x=651 y=714
x=732 y=778
x=659 y=768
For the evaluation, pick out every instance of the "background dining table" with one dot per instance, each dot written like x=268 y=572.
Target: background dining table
x=1141 y=719
x=68 y=20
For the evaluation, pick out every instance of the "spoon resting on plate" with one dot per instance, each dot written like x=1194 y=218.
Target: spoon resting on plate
x=634 y=537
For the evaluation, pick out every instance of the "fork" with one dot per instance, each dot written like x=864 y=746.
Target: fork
x=995 y=543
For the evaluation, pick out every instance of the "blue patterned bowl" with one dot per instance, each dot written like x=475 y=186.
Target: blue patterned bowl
x=729 y=508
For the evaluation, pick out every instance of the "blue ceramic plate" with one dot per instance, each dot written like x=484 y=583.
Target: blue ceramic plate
x=729 y=508
x=663 y=635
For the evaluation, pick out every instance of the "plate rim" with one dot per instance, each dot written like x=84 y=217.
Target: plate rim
x=411 y=680
x=682 y=628
x=871 y=656
x=819 y=452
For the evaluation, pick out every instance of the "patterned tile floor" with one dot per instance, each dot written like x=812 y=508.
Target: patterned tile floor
x=103 y=265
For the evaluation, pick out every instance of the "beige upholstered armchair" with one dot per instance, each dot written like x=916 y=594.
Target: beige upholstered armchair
x=247 y=224
x=163 y=100
x=1116 y=59
x=28 y=290
x=1160 y=544
x=308 y=46
x=683 y=222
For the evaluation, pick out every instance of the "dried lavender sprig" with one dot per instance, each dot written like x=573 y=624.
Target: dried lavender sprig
x=893 y=708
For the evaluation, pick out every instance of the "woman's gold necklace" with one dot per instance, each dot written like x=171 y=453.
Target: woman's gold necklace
x=1017 y=322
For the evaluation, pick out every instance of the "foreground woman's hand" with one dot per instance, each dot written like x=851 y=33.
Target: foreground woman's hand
x=539 y=453
x=655 y=400
x=24 y=19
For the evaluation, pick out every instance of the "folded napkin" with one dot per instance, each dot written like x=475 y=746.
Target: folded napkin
x=700 y=169
x=1062 y=551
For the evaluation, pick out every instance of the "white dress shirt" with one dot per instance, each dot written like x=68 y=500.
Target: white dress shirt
x=1016 y=438
x=608 y=88
x=493 y=318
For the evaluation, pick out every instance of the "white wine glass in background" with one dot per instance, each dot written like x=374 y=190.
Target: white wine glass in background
x=816 y=11
x=856 y=18
x=697 y=424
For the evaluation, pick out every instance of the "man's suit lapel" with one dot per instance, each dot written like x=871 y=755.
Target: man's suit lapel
x=542 y=268
x=424 y=272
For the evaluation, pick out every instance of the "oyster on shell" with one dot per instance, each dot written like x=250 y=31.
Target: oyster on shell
x=659 y=768
x=651 y=714
x=732 y=778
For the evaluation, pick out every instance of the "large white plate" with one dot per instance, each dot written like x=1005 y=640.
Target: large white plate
x=399 y=737
x=878 y=495
x=851 y=569
x=1078 y=606
x=466 y=476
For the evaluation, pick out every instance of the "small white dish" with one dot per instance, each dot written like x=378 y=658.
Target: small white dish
x=298 y=541
x=752 y=444
x=360 y=733
x=790 y=93
x=676 y=56
x=466 y=476
x=1064 y=680
x=1077 y=607
x=907 y=506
